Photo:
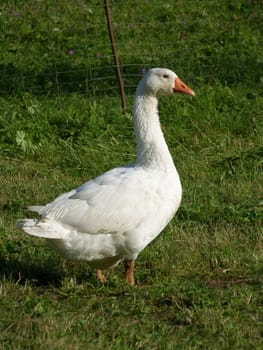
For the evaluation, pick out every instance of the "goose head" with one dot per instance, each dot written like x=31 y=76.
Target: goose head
x=162 y=81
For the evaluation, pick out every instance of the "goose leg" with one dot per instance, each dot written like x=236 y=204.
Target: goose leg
x=100 y=276
x=129 y=272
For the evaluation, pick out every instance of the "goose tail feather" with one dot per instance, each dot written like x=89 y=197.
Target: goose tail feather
x=43 y=228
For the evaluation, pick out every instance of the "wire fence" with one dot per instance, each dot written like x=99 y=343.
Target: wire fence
x=56 y=47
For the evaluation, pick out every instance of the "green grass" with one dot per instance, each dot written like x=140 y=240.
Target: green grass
x=200 y=282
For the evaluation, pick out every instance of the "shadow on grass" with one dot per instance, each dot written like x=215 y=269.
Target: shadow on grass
x=23 y=271
x=101 y=80
x=46 y=272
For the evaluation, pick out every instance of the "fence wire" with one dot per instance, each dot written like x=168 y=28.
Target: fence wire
x=55 y=47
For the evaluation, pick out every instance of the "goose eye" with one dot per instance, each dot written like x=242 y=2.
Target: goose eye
x=165 y=76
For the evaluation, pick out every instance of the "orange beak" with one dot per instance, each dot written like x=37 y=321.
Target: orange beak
x=180 y=87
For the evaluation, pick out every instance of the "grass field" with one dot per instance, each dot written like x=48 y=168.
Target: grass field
x=200 y=282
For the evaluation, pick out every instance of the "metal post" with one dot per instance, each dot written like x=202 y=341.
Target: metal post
x=115 y=56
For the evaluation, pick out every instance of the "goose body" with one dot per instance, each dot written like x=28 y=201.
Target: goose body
x=116 y=215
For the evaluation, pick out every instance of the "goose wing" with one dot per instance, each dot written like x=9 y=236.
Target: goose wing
x=116 y=201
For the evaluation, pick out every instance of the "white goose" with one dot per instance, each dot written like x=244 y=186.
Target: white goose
x=116 y=215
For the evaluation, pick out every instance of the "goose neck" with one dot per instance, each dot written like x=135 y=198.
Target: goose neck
x=151 y=148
